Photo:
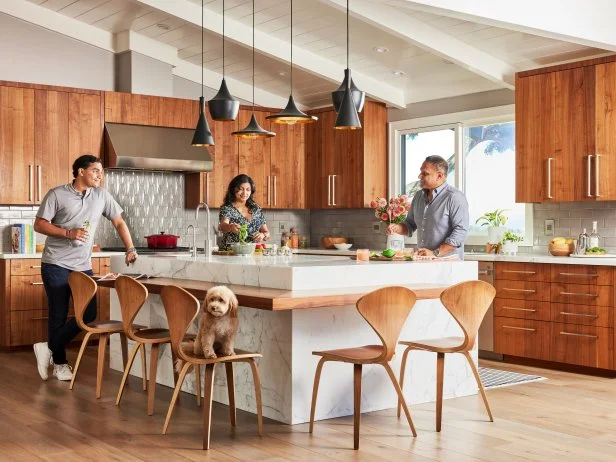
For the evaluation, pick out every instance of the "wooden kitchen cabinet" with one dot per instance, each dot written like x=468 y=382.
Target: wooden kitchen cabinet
x=346 y=168
x=287 y=167
x=85 y=127
x=17 y=145
x=255 y=158
x=566 y=133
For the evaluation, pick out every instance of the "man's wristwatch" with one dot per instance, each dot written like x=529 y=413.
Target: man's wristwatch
x=436 y=252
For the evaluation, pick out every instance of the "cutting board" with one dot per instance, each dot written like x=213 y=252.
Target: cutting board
x=381 y=258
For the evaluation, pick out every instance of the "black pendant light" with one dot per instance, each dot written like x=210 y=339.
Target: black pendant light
x=291 y=114
x=223 y=106
x=253 y=130
x=203 y=134
x=359 y=97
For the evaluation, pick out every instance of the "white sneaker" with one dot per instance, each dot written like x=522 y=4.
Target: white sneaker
x=63 y=371
x=43 y=359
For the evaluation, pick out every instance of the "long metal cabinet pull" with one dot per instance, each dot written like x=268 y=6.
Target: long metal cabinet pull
x=530 y=310
x=31 y=183
x=550 y=159
x=329 y=190
x=483 y=272
x=597 y=173
x=519 y=272
x=519 y=328
x=520 y=290
x=578 y=335
x=579 y=294
x=268 y=190
x=334 y=189
x=36 y=283
x=275 y=199
x=588 y=161
x=207 y=187
x=580 y=274
x=39 y=170
x=584 y=315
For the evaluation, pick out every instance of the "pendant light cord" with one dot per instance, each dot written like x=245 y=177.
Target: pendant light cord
x=291 y=48
x=347 y=34
x=201 y=48
x=253 y=57
x=223 y=39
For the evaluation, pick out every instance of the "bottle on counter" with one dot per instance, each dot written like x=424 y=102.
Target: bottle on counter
x=294 y=239
x=594 y=237
x=283 y=239
x=582 y=243
x=303 y=242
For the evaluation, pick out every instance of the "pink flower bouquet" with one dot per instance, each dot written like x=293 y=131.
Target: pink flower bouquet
x=393 y=211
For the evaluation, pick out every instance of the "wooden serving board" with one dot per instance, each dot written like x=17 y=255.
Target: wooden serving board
x=381 y=258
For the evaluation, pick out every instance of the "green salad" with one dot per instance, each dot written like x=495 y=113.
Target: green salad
x=595 y=251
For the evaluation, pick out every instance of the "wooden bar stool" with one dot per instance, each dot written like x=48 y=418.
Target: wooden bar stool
x=468 y=303
x=386 y=311
x=182 y=309
x=132 y=295
x=83 y=289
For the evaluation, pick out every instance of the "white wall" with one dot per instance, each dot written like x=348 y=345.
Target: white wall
x=33 y=54
x=184 y=88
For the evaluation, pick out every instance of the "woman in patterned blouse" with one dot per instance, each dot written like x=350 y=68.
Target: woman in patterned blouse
x=238 y=209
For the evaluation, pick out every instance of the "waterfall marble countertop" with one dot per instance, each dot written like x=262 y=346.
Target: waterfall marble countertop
x=543 y=258
x=10 y=256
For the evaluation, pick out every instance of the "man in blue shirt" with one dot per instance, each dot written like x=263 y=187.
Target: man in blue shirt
x=439 y=213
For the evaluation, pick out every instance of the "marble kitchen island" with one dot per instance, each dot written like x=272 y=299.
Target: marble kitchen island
x=315 y=311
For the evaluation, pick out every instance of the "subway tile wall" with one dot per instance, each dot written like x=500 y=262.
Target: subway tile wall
x=356 y=224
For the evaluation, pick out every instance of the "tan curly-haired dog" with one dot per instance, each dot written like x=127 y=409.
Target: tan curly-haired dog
x=218 y=324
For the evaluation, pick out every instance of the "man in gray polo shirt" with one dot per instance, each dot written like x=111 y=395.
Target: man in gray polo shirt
x=68 y=216
x=439 y=213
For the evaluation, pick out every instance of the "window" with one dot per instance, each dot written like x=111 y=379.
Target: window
x=481 y=155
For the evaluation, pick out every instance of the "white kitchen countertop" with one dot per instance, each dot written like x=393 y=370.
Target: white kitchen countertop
x=543 y=258
x=10 y=256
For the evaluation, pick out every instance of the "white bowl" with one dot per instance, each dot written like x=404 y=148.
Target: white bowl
x=243 y=249
x=343 y=246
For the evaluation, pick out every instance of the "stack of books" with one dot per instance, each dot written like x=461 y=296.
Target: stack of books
x=22 y=238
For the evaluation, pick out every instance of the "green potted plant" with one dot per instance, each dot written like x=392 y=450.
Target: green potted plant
x=495 y=222
x=511 y=241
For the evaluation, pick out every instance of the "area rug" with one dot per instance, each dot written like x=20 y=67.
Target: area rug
x=495 y=378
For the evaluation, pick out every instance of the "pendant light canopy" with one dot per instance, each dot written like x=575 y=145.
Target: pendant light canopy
x=203 y=134
x=359 y=97
x=223 y=106
x=253 y=130
x=348 y=117
x=291 y=114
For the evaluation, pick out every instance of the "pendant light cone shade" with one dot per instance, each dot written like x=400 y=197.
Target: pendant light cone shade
x=348 y=118
x=223 y=107
x=291 y=115
x=203 y=134
x=359 y=97
x=253 y=130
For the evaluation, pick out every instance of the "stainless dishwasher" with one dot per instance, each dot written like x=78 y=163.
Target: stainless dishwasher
x=486 y=330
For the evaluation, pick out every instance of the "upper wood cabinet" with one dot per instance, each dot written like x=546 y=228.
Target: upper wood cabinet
x=566 y=133
x=347 y=168
x=255 y=158
x=287 y=167
x=129 y=108
x=17 y=145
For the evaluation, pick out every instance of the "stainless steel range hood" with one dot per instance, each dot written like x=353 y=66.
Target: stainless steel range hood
x=154 y=148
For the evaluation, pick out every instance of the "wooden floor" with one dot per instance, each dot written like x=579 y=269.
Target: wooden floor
x=569 y=417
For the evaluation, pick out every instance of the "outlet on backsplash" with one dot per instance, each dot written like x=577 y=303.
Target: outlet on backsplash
x=376 y=227
x=282 y=227
x=548 y=227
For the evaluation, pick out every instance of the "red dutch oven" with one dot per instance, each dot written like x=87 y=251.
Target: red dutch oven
x=162 y=241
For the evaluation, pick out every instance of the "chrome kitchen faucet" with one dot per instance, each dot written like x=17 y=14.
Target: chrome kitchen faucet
x=208 y=241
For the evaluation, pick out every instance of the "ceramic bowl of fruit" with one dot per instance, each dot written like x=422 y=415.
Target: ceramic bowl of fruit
x=343 y=246
x=561 y=247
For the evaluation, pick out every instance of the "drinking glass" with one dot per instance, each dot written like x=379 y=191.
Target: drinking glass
x=363 y=254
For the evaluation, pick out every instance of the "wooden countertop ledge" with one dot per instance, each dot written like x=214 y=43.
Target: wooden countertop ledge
x=279 y=299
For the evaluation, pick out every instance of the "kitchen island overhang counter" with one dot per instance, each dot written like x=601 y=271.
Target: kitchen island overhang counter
x=321 y=318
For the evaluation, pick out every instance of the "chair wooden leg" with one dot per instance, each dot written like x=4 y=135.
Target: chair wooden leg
x=315 y=392
x=175 y=372
x=198 y=383
x=402 y=371
x=259 y=402
x=356 y=403
x=231 y=390
x=176 y=392
x=208 y=386
x=440 y=369
x=401 y=399
x=84 y=344
x=144 y=373
x=100 y=367
x=124 y=346
x=127 y=368
x=478 y=379
x=152 y=384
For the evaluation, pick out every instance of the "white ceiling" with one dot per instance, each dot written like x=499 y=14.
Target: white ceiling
x=443 y=48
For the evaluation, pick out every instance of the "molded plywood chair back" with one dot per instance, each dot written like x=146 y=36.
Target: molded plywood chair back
x=132 y=295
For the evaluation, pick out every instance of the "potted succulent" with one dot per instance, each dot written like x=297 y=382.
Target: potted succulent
x=510 y=243
x=495 y=222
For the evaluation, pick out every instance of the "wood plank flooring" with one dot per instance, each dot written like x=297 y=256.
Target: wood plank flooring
x=569 y=417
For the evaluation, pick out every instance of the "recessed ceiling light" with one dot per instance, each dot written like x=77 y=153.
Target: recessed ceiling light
x=399 y=73
x=163 y=26
x=381 y=49
x=282 y=73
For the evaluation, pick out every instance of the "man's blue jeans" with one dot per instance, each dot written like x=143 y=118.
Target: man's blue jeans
x=59 y=331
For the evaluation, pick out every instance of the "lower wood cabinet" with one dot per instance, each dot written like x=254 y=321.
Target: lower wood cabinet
x=559 y=313
x=23 y=302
